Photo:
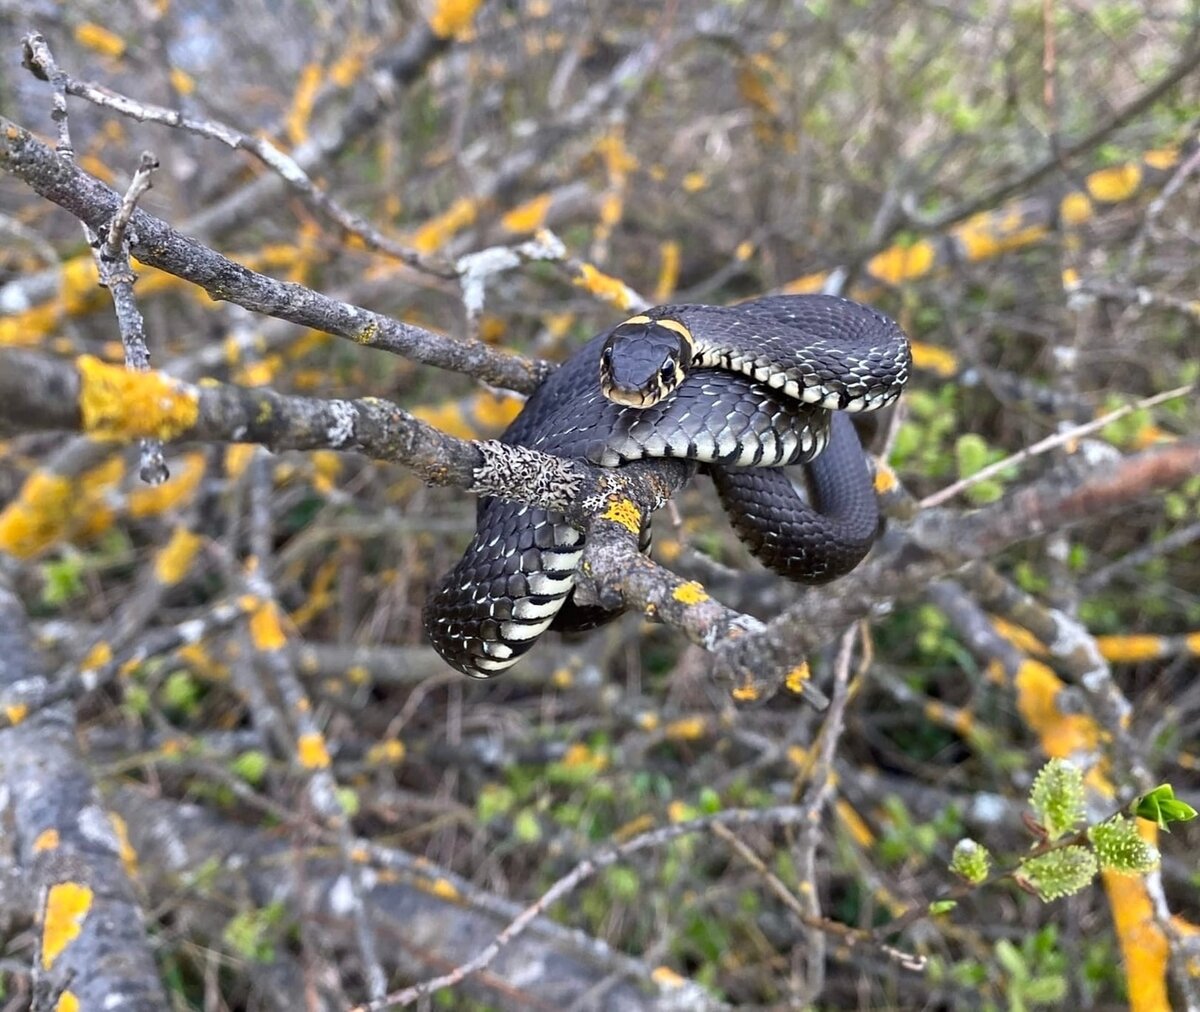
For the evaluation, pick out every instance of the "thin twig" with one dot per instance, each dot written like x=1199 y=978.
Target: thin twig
x=1049 y=443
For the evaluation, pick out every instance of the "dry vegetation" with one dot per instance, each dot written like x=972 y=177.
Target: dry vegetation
x=234 y=777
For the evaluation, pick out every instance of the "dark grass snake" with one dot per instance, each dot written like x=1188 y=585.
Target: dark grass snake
x=742 y=390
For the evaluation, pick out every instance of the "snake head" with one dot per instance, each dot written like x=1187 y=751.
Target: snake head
x=643 y=360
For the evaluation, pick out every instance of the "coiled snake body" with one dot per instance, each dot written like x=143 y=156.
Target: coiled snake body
x=741 y=390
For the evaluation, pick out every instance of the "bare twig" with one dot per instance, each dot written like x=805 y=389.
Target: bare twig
x=1068 y=435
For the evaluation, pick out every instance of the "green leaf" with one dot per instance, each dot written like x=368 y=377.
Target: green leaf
x=1010 y=958
x=942 y=906
x=710 y=801
x=348 y=798
x=181 y=692
x=251 y=766
x=526 y=826
x=63 y=580
x=1057 y=797
x=971 y=454
x=494 y=800
x=623 y=882
x=1162 y=807
x=1048 y=990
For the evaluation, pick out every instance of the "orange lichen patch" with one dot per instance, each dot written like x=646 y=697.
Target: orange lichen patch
x=853 y=823
x=743 y=251
x=493 y=411
x=686 y=729
x=1019 y=636
x=93 y=512
x=174 y=559
x=387 y=753
x=67 y=904
x=529 y=216
x=237 y=459
x=987 y=234
x=445 y=889
x=797 y=755
x=311 y=751
x=1162 y=158
x=434 y=233
x=1130 y=649
x=690 y=593
x=97 y=657
x=99 y=39
x=67 y=1002
x=611 y=209
x=16 y=712
x=302 y=103
x=664 y=976
x=624 y=511
x=47 y=839
x=1070 y=279
x=452 y=17
x=679 y=811
x=694 y=182
x=93 y=165
x=1061 y=734
x=1192 y=642
x=612 y=290
x=1144 y=946
x=1112 y=185
x=902 y=263
x=885 y=479
x=562 y=678
x=327 y=467
x=492 y=328
x=176 y=491
x=266 y=627
x=118 y=404
x=747 y=693
x=580 y=755
x=807 y=284
x=38 y=517
x=1074 y=209
x=480 y=415
x=931 y=358
x=668 y=271
x=796 y=679
x=24 y=330
x=182 y=81
x=129 y=859
x=448 y=418
x=344 y=71
x=647 y=720
x=618 y=160
x=633 y=827
x=259 y=373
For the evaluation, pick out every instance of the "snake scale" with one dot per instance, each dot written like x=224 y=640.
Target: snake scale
x=743 y=391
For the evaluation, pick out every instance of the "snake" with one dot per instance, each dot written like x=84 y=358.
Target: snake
x=741 y=391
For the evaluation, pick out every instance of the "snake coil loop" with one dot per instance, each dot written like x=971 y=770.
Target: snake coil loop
x=742 y=390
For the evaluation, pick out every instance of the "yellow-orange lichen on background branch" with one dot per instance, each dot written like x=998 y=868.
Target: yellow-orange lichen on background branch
x=118 y=404
x=67 y=904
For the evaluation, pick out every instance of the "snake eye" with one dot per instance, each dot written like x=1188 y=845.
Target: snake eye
x=667 y=373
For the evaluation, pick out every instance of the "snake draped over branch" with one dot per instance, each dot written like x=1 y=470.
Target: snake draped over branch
x=741 y=390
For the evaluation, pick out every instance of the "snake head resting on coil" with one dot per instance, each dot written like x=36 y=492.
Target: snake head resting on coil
x=643 y=360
